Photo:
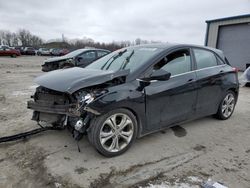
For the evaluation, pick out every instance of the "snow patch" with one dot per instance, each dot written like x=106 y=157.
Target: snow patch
x=19 y=93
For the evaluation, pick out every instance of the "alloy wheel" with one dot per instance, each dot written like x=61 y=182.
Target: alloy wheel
x=116 y=132
x=228 y=105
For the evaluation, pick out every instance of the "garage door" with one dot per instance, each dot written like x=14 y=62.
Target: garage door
x=234 y=40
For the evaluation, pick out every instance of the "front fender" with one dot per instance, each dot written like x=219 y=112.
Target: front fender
x=124 y=97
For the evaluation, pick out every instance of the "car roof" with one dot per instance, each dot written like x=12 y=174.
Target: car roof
x=85 y=49
x=166 y=46
x=171 y=45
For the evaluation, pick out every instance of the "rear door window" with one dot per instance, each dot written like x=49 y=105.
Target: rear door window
x=204 y=58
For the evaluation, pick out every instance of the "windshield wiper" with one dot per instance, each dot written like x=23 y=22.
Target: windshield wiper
x=124 y=64
x=114 y=58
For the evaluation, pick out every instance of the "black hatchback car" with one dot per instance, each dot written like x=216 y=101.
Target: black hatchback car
x=136 y=91
x=77 y=58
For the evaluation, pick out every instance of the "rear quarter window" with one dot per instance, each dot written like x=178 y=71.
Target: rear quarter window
x=220 y=62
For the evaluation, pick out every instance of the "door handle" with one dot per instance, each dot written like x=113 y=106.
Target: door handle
x=221 y=71
x=190 y=80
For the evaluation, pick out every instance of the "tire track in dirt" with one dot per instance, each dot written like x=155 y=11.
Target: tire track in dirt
x=142 y=173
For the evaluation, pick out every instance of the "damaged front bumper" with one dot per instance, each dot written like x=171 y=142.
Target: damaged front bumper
x=52 y=114
x=57 y=109
x=60 y=110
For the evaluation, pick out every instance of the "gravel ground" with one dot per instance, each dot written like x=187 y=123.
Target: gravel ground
x=183 y=156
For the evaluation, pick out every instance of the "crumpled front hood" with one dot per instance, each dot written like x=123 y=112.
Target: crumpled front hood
x=55 y=59
x=73 y=79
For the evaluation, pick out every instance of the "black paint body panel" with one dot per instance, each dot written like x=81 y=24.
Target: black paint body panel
x=156 y=104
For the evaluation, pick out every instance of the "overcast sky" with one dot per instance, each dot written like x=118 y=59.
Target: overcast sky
x=181 y=21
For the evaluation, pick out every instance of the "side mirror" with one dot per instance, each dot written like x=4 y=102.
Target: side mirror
x=79 y=59
x=160 y=75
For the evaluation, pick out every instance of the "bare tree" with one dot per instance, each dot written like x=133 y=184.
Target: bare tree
x=8 y=38
x=137 y=41
x=28 y=39
x=22 y=36
x=1 y=37
x=15 y=40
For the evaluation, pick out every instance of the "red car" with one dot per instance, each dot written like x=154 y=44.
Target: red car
x=63 y=52
x=6 y=51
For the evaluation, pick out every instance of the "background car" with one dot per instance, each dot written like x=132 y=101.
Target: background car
x=51 y=50
x=245 y=77
x=63 y=52
x=43 y=51
x=55 y=52
x=29 y=51
x=20 y=49
x=78 y=58
x=136 y=91
x=6 y=51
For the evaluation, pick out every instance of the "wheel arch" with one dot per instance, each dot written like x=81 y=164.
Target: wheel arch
x=235 y=90
x=138 y=120
x=134 y=103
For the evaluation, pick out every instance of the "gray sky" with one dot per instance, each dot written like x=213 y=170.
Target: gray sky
x=181 y=21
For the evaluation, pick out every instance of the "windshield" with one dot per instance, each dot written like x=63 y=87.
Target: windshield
x=74 y=53
x=130 y=58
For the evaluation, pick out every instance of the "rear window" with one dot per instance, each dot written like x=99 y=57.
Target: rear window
x=204 y=58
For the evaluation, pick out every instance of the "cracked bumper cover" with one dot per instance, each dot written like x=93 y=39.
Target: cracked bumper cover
x=68 y=109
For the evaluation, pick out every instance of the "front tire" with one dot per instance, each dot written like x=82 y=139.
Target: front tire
x=227 y=106
x=113 y=133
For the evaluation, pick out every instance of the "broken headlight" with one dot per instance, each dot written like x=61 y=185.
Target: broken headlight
x=87 y=98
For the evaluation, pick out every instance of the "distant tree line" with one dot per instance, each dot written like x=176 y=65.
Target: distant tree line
x=24 y=37
x=21 y=38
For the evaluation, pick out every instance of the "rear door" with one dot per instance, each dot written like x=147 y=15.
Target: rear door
x=172 y=101
x=209 y=81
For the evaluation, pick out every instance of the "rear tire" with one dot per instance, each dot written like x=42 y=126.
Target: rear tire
x=227 y=106
x=113 y=133
x=13 y=55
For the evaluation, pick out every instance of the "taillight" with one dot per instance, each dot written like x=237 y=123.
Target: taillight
x=235 y=69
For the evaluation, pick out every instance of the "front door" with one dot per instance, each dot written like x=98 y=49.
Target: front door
x=172 y=101
x=86 y=58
